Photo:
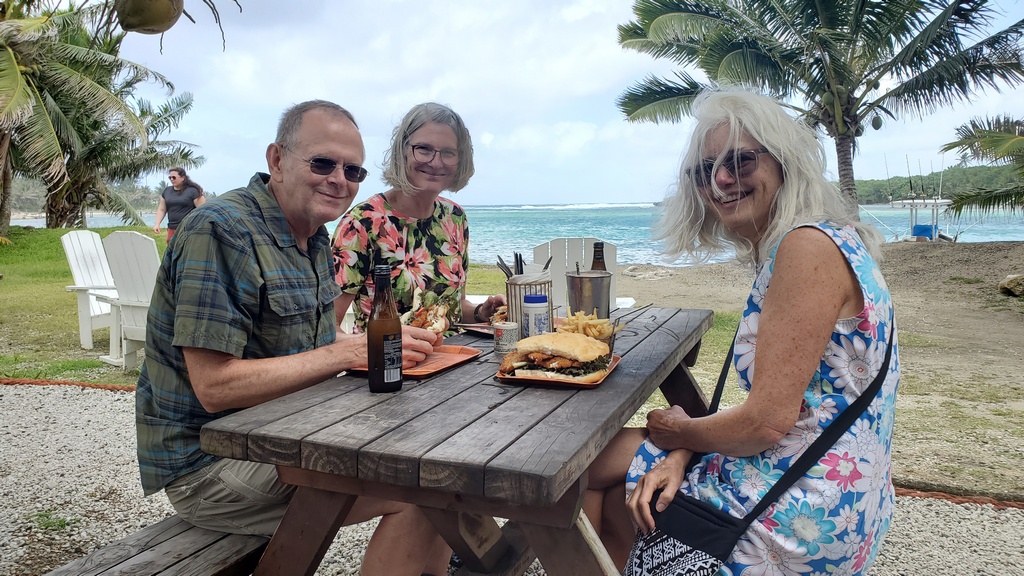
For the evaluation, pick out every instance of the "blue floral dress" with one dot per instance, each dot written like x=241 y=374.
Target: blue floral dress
x=833 y=519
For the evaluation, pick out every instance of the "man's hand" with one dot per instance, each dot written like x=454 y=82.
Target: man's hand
x=417 y=344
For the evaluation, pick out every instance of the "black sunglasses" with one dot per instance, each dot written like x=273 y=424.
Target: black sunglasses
x=325 y=166
x=739 y=163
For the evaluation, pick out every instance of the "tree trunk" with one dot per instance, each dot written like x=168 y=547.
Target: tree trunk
x=844 y=157
x=6 y=178
x=58 y=213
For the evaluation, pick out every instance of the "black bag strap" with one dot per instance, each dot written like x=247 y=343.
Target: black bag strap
x=717 y=397
x=817 y=448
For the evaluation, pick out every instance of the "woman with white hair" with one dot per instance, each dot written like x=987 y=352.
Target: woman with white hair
x=816 y=326
x=424 y=238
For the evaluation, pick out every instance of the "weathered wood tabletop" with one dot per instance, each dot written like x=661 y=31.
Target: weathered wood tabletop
x=464 y=446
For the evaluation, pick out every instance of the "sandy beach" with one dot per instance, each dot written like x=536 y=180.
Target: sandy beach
x=959 y=424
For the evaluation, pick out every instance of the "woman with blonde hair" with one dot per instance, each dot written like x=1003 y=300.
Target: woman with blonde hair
x=423 y=237
x=817 y=325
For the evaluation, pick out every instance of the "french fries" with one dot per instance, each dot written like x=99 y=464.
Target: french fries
x=588 y=325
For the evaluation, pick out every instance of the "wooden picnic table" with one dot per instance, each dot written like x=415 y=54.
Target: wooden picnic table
x=465 y=447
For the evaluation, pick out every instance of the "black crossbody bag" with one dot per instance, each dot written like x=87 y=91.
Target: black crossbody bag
x=693 y=538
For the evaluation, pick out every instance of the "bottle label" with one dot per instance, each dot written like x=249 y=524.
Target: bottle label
x=393 y=357
x=535 y=322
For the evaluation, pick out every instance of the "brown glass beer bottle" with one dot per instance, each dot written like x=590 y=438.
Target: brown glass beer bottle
x=598 y=262
x=384 y=336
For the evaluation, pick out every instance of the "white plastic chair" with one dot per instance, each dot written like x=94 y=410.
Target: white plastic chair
x=91 y=274
x=134 y=262
x=565 y=253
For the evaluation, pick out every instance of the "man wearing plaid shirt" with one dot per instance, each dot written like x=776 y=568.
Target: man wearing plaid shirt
x=242 y=313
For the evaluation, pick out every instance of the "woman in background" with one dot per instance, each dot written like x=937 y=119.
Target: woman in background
x=816 y=325
x=177 y=200
x=424 y=238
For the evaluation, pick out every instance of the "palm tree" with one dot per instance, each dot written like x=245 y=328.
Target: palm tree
x=840 y=65
x=63 y=105
x=41 y=74
x=996 y=140
x=103 y=153
x=109 y=156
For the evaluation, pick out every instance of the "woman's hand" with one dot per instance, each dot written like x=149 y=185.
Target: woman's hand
x=490 y=306
x=484 y=312
x=417 y=344
x=667 y=475
x=663 y=426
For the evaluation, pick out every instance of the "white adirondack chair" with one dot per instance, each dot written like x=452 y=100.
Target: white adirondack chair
x=564 y=254
x=134 y=261
x=91 y=274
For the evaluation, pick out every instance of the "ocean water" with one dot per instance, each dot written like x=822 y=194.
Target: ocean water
x=504 y=229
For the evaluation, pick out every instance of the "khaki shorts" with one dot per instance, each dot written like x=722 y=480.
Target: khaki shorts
x=232 y=496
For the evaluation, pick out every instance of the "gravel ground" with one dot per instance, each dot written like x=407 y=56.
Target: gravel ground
x=69 y=484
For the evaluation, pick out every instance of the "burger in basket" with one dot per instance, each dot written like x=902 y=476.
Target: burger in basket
x=569 y=357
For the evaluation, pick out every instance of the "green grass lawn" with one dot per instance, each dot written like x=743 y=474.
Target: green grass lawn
x=39 y=317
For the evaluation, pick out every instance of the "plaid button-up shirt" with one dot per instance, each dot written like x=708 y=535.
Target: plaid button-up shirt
x=234 y=280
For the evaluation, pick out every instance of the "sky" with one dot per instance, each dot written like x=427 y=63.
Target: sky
x=534 y=80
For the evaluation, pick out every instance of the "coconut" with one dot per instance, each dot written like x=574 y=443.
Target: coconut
x=148 y=16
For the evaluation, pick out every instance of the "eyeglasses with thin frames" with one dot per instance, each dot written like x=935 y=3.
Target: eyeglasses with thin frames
x=322 y=166
x=739 y=163
x=426 y=154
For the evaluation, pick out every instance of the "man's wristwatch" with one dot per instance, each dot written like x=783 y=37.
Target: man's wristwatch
x=476 y=313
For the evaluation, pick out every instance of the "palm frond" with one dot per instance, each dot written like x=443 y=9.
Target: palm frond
x=685 y=25
x=938 y=38
x=64 y=52
x=985 y=201
x=26 y=30
x=117 y=204
x=636 y=39
x=647 y=11
x=15 y=95
x=63 y=126
x=955 y=79
x=657 y=100
x=39 y=147
x=82 y=88
x=743 y=61
x=167 y=117
x=994 y=139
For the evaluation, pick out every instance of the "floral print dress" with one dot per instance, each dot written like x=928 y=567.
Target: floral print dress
x=833 y=519
x=425 y=254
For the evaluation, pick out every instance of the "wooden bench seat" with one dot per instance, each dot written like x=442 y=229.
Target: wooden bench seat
x=172 y=547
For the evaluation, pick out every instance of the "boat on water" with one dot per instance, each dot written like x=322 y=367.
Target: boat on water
x=921 y=231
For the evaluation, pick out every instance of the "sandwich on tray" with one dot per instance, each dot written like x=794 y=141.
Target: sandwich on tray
x=428 y=311
x=569 y=357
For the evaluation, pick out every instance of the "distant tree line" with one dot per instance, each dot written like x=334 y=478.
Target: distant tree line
x=946 y=183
